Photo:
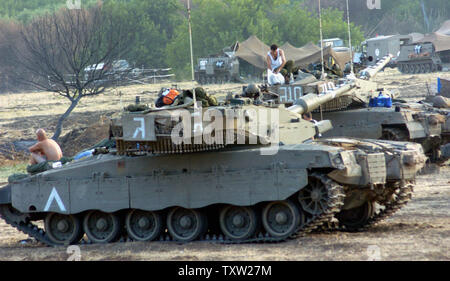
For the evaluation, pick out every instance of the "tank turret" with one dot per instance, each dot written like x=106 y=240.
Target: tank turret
x=185 y=128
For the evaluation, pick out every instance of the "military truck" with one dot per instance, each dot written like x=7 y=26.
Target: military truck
x=254 y=179
x=217 y=69
x=334 y=43
x=374 y=49
x=430 y=54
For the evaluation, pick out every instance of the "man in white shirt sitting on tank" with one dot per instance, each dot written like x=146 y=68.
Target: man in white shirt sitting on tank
x=275 y=63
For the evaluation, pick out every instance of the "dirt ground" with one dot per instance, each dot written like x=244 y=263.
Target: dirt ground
x=420 y=231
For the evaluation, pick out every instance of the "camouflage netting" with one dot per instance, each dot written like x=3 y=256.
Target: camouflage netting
x=16 y=177
x=103 y=143
x=39 y=168
x=45 y=166
x=136 y=107
x=202 y=96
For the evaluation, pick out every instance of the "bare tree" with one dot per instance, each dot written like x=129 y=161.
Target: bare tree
x=57 y=49
x=9 y=35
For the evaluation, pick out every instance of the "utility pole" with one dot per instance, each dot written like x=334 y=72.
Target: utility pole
x=350 y=38
x=321 y=41
x=192 y=53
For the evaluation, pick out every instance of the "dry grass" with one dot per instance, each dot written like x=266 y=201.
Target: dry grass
x=412 y=87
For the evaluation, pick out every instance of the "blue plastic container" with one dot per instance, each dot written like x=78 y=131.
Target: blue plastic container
x=381 y=101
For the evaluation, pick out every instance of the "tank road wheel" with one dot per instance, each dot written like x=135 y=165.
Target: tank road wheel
x=423 y=68
x=314 y=197
x=238 y=223
x=394 y=134
x=407 y=68
x=427 y=67
x=417 y=69
x=411 y=68
x=63 y=229
x=186 y=225
x=356 y=218
x=403 y=68
x=102 y=227
x=281 y=219
x=434 y=67
x=143 y=225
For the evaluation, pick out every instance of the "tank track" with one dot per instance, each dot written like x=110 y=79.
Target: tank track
x=403 y=196
x=28 y=228
x=336 y=197
x=418 y=67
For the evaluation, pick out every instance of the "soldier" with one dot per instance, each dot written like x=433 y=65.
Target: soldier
x=275 y=63
x=45 y=150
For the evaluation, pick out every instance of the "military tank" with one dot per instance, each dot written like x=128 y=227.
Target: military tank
x=430 y=54
x=375 y=48
x=256 y=179
x=217 y=69
x=352 y=116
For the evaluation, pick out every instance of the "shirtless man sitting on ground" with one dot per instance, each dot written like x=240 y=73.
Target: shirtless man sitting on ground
x=45 y=150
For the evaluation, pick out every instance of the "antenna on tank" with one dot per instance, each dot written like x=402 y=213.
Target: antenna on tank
x=321 y=41
x=350 y=39
x=192 y=53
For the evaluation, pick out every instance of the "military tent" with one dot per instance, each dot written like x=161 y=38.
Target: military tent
x=254 y=51
x=416 y=36
x=303 y=56
x=310 y=53
x=445 y=28
x=440 y=41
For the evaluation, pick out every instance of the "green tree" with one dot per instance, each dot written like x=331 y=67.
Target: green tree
x=217 y=24
x=154 y=24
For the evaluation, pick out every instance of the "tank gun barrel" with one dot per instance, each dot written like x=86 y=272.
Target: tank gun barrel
x=311 y=102
x=372 y=71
